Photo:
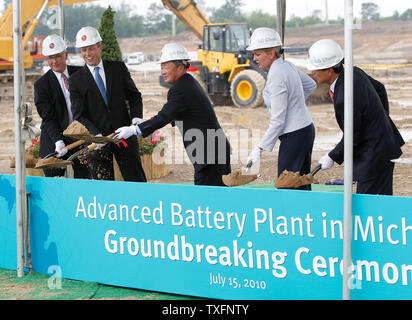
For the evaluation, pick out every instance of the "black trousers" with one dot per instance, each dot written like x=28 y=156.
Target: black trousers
x=80 y=169
x=128 y=158
x=210 y=175
x=382 y=184
x=295 y=152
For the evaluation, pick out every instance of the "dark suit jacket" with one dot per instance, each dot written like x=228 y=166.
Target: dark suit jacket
x=380 y=90
x=376 y=139
x=189 y=107
x=52 y=108
x=89 y=107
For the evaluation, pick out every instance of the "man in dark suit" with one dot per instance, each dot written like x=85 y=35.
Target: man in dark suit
x=376 y=139
x=99 y=92
x=189 y=108
x=52 y=99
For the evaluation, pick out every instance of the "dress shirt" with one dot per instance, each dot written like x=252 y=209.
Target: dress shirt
x=101 y=72
x=332 y=86
x=66 y=93
x=285 y=93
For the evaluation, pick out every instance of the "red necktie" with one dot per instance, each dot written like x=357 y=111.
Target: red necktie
x=66 y=81
x=332 y=96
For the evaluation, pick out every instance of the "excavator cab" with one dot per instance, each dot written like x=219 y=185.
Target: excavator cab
x=222 y=59
x=224 y=68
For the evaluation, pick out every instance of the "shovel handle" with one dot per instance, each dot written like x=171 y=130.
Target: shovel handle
x=317 y=168
x=249 y=164
x=68 y=147
x=74 y=144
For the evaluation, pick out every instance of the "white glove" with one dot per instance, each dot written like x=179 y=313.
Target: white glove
x=99 y=145
x=126 y=132
x=60 y=149
x=254 y=155
x=136 y=121
x=326 y=162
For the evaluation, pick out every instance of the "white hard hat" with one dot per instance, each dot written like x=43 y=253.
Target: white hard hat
x=87 y=36
x=173 y=51
x=263 y=38
x=53 y=44
x=324 y=54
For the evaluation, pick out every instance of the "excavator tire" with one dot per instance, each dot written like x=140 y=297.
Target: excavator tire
x=246 y=89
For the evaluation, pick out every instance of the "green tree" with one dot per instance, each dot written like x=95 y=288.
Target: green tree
x=111 y=48
x=259 y=19
x=370 y=11
x=158 y=20
x=407 y=15
x=230 y=11
x=6 y=4
x=78 y=16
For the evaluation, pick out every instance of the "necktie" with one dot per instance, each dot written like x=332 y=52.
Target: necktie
x=100 y=84
x=65 y=81
x=332 y=96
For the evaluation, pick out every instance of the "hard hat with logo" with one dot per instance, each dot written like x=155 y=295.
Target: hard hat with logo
x=172 y=52
x=87 y=36
x=324 y=54
x=53 y=44
x=264 y=38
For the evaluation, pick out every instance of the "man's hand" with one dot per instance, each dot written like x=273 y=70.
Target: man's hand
x=326 y=162
x=255 y=155
x=60 y=149
x=125 y=132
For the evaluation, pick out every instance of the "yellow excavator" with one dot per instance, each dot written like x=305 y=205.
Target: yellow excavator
x=224 y=68
x=31 y=10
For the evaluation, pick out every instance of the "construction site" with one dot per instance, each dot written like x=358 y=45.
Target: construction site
x=385 y=58
x=381 y=48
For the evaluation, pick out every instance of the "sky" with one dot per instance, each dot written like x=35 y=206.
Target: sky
x=299 y=8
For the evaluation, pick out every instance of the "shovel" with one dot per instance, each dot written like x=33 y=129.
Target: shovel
x=50 y=161
x=69 y=147
x=289 y=179
x=94 y=139
x=403 y=160
x=109 y=138
x=238 y=178
x=90 y=147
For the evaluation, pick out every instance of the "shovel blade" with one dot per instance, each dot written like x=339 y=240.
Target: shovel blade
x=49 y=155
x=238 y=179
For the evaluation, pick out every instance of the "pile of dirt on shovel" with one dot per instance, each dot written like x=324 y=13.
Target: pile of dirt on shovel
x=52 y=162
x=76 y=128
x=238 y=179
x=289 y=179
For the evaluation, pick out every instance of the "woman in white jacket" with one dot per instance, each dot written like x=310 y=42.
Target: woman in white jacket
x=285 y=93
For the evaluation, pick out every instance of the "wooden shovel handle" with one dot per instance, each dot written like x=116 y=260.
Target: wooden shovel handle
x=74 y=144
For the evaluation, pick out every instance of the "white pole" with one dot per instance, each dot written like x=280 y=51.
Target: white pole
x=61 y=19
x=348 y=151
x=17 y=61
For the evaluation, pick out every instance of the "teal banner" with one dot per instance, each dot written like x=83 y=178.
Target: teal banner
x=225 y=243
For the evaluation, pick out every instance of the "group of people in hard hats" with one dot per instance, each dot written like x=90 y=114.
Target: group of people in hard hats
x=97 y=95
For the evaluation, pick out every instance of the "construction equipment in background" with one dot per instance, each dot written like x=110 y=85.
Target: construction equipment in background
x=31 y=11
x=224 y=68
x=35 y=47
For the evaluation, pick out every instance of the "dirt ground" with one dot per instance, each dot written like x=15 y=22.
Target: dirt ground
x=375 y=43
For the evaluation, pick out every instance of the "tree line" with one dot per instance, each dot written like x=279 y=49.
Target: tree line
x=158 y=19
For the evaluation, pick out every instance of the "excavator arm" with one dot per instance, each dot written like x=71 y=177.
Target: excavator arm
x=31 y=11
x=188 y=12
